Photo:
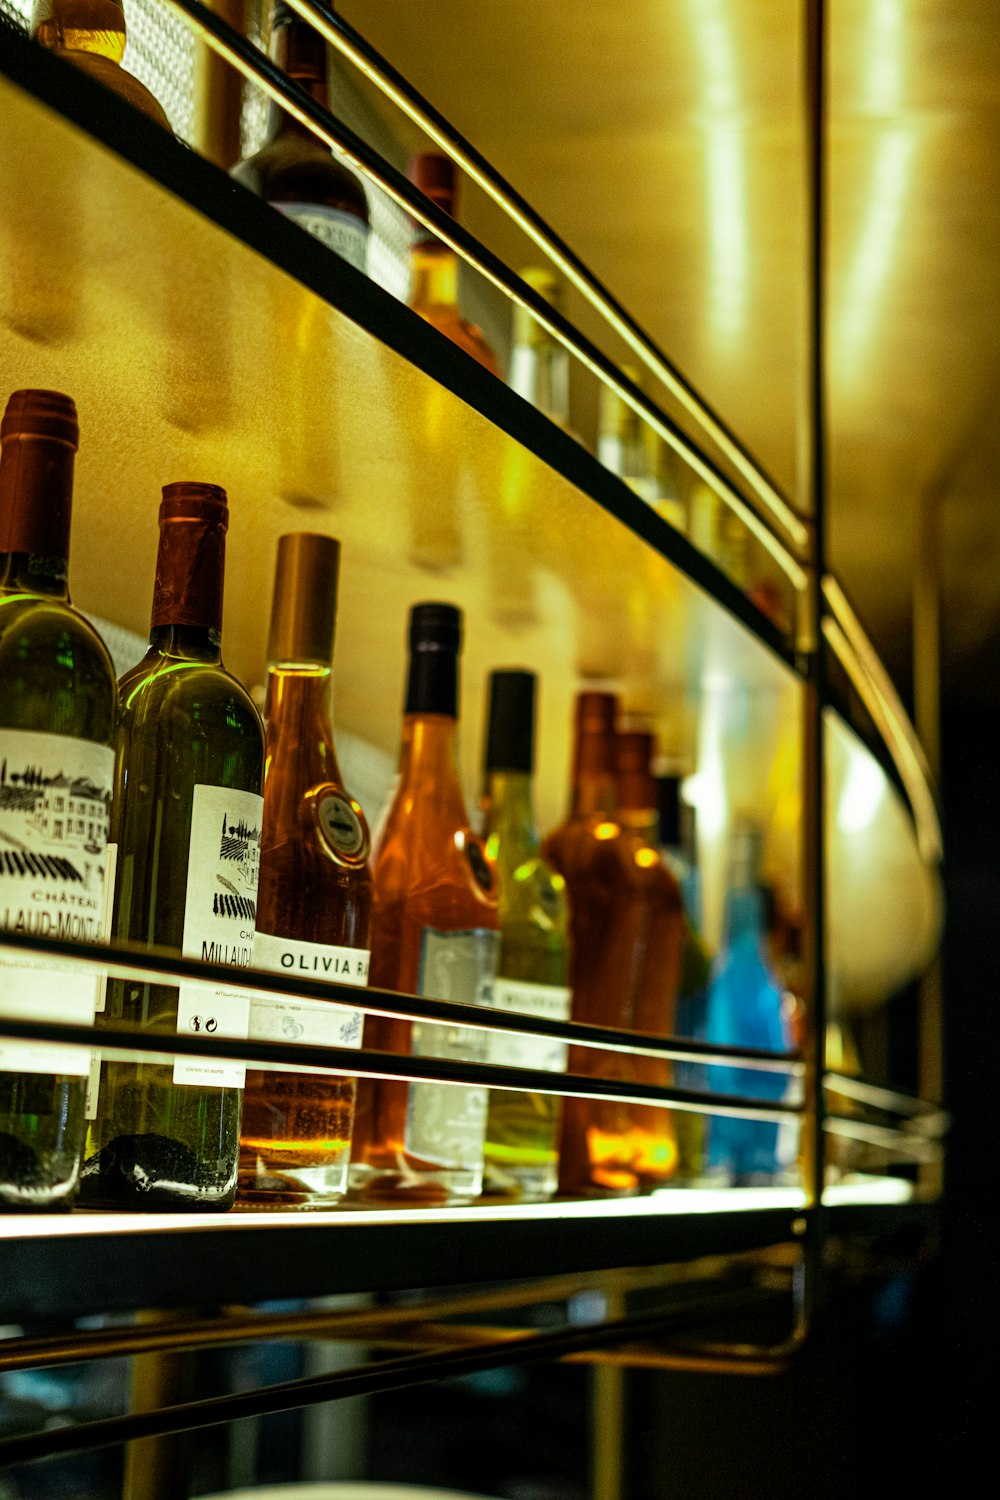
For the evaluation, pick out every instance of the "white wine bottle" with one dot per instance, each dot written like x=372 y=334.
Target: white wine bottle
x=186 y=824
x=57 y=715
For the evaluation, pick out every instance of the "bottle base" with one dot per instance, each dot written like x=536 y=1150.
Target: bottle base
x=423 y=1188
x=152 y=1172
x=520 y=1184
x=264 y=1186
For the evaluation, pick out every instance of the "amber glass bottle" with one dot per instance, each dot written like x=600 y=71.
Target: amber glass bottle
x=293 y=170
x=314 y=897
x=91 y=35
x=613 y=880
x=435 y=931
x=186 y=822
x=434 y=266
x=522 y=1129
x=57 y=718
x=656 y=951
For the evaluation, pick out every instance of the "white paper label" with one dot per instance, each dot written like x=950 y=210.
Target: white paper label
x=317 y=1023
x=446 y=1124
x=511 y=1050
x=343 y=232
x=220 y=909
x=55 y=792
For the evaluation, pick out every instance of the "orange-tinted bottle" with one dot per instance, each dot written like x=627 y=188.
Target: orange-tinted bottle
x=656 y=952
x=314 y=897
x=434 y=266
x=91 y=35
x=612 y=878
x=435 y=932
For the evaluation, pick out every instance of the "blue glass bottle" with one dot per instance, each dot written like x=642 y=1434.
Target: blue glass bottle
x=745 y=1010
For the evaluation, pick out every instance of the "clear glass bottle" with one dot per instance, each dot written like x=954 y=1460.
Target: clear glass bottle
x=539 y=364
x=314 y=897
x=745 y=1009
x=57 y=718
x=293 y=170
x=434 y=266
x=625 y=442
x=186 y=823
x=91 y=35
x=435 y=932
x=521 y=1151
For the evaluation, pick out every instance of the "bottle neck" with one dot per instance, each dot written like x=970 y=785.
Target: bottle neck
x=427 y=763
x=36 y=502
x=509 y=815
x=745 y=914
x=299 y=725
x=434 y=275
x=645 y=821
x=300 y=52
x=594 y=787
x=186 y=617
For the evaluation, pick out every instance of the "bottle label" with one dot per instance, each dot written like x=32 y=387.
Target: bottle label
x=55 y=792
x=317 y=1023
x=551 y=1001
x=343 y=232
x=445 y=1124
x=345 y=833
x=92 y=1095
x=220 y=910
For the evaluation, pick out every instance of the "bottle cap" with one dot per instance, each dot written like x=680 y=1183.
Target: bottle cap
x=634 y=751
x=190 y=500
x=435 y=627
x=304 y=603
x=668 y=790
x=548 y=284
x=41 y=414
x=510 y=735
x=596 y=713
x=190 y=560
x=434 y=174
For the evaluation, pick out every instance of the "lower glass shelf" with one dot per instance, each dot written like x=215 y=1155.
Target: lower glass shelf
x=69 y=1265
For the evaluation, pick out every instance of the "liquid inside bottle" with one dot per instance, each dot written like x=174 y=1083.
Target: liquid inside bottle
x=314 y=898
x=435 y=932
x=57 y=715
x=623 y=968
x=187 y=825
x=745 y=1009
x=91 y=34
x=521 y=1151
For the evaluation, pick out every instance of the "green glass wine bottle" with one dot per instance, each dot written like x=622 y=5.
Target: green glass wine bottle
x=186 y=824
x=521 y=1156
x=57 y=715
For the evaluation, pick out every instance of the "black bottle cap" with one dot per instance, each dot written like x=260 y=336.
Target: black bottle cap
x=435 y=636
x=669 y=793
x=435 y=627
x=510 y=735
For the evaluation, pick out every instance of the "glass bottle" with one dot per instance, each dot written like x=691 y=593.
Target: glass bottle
x=603 y=862
x=745 y=1009
x=314 y=897
x=57 y=718
x=625 y=442
x=91 y=35
x=434 y=266
x=656 y=954
x=679 y=851
x=186 y=822
x=435 y=931
x=521 y=1156
x=539 y=364
x=293 y=170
